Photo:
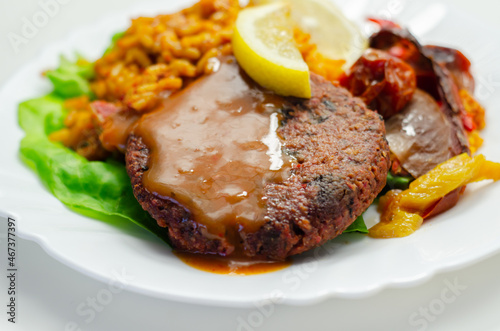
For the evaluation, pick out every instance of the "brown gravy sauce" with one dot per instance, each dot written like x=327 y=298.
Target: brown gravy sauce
x=116 y=129
x=214 y=147
x=231 y=265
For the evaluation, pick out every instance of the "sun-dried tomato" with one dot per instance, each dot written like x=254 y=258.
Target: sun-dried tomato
x=385 y=83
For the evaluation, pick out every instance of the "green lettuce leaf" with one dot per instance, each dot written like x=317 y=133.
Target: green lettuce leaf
x=86 y=186
x=71 y=79
x=357 y=226
x=114 y=39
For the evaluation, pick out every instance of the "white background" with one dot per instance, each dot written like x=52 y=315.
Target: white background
x=49 y=292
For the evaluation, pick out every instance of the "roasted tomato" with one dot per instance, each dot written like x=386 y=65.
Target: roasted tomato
x=385 y=83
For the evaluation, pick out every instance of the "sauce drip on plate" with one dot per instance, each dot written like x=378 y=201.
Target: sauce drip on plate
x=231 y=266
x=214 y=147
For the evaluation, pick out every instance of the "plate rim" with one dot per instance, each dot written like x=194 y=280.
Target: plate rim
x=39 y=239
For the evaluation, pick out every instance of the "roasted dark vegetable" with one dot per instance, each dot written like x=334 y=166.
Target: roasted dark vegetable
x=420 y=135
x=385 y=83
x=456 y=63
x=452 y=70
x=433 y=77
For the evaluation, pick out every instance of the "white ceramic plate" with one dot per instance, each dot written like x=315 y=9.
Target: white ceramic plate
x=350 y=266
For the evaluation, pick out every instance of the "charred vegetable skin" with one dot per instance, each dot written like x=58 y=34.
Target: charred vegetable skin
x=431 y=65
x=420 y=136
x=385 y=83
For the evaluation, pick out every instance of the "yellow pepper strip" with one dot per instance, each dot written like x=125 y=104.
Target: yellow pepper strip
x=402 y=212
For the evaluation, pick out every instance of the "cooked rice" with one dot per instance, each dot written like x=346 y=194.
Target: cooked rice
x=82 y=130
x=159 y=55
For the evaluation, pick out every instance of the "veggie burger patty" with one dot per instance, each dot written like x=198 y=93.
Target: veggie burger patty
x=342 y=162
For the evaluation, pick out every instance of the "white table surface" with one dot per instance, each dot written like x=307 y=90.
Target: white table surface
x=50 y=294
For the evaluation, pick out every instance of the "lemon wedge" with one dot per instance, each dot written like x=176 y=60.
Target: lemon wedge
x=334 y=34
x=264 y=46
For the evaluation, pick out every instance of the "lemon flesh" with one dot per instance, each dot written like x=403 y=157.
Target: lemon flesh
x=264 y=46
x=335 y=35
